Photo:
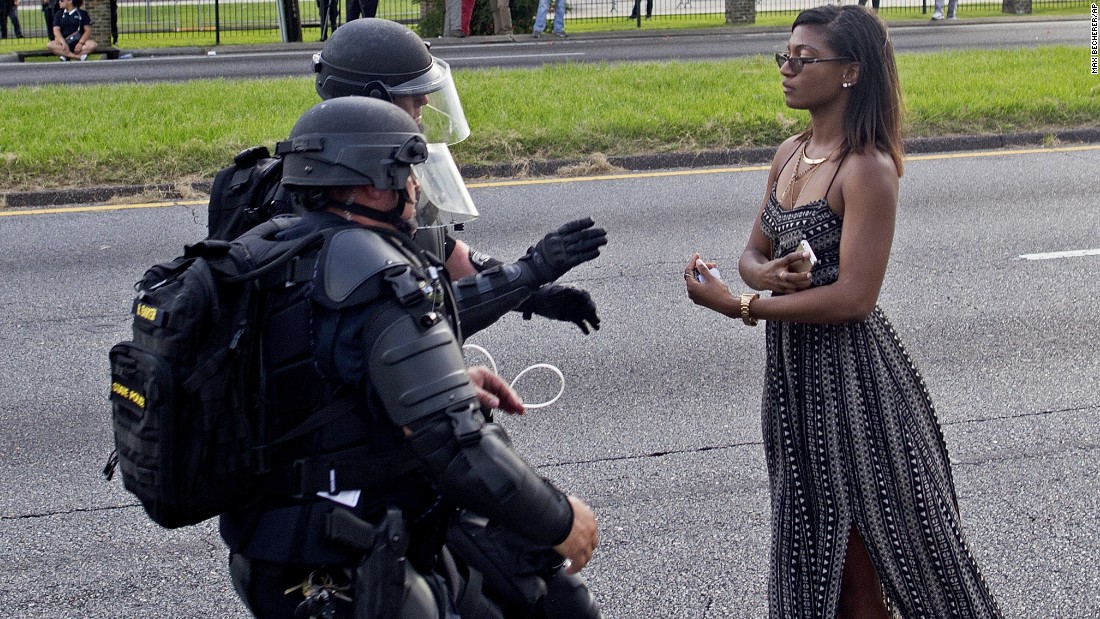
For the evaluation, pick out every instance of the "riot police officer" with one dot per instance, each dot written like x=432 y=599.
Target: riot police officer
x=374 y=327
x=383 y=59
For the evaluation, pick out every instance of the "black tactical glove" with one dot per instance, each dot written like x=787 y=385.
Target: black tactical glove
x=574 y=243
x=562 y=303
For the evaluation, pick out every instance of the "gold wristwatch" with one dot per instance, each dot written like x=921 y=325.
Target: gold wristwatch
x=746 y=299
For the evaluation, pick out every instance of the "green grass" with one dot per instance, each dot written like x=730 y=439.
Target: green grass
x=167 y=132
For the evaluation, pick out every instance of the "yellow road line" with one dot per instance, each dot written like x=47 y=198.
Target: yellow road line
x=574 y=179
x=102 y=207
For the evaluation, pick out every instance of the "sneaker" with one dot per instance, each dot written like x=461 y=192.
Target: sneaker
x=83 y=57
x=561 y=34
x=951 y=16
x=63 y=59
x=536 y=34
x=938 y=15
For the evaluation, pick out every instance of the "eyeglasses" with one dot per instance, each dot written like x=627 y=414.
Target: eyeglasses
x=797 y=61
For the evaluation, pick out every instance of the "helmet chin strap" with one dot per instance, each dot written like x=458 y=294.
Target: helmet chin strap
x=392 y=216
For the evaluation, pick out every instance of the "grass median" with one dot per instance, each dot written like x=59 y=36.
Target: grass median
x=72 y=136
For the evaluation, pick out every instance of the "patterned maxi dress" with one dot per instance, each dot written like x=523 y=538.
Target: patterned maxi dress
x=851 y=438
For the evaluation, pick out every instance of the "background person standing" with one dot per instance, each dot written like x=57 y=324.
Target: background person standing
x=361 y=8
x=937 y=14
x=502 y=16
x=9 y=9
x=559 y=18
x=638 y=6
x=49 y=8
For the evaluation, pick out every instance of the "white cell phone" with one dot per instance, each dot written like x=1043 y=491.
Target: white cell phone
x=805 y=265
x=699 y=275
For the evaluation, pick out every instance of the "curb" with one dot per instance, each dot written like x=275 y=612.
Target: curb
x=552 y=167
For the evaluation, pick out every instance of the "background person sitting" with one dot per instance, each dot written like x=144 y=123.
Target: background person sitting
x=72 y=31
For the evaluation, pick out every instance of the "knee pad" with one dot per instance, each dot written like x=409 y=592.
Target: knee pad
x=420 y=600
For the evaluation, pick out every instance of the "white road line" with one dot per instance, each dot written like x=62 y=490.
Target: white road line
x=1075 y=253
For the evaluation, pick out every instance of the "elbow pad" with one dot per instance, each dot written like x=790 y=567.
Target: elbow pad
x=483 y=298
x=417 y=369
x=474 y=465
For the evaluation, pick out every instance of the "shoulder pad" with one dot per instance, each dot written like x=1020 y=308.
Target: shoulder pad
x=351 y=258
x=262 y=241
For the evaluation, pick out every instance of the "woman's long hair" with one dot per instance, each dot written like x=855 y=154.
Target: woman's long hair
x=874 y=114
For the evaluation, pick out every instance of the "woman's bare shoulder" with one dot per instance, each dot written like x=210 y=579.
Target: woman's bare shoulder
x=785 y=150
x=872 y=163
x=787 y=147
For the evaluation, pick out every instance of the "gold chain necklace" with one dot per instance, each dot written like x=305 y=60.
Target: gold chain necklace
x=813 y=166
x=799 y=172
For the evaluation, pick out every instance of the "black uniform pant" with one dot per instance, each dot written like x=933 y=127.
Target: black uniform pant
x=263 y=586
x=329 y=13
x=362 y=8
x=277 y=590
x=638 y=4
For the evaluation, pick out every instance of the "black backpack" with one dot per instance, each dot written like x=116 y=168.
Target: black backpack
x=185 y=391
x=246 y=194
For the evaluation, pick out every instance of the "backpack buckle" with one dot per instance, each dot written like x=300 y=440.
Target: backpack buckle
x=311 y=476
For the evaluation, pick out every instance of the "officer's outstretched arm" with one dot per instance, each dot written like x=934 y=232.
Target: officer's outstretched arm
x=418 y=371
x=499 y=288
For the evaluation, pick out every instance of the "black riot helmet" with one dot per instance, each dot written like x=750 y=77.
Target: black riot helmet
x=385 y=60
x=353 y=141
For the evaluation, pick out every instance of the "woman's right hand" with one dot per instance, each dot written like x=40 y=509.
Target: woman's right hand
x=711 y=292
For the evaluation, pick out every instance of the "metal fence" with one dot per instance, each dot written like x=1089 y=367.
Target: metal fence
x=257 y=21
x=224 y=21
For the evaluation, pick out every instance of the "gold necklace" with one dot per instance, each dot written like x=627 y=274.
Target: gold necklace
x=809 y=161
x=813 y=165
x=798 y=193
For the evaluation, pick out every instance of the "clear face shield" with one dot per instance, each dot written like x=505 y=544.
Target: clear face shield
x=442 y=118
x=444 y=200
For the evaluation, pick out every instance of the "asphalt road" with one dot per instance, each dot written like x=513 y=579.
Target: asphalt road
x=522 y=51
x=658 y=427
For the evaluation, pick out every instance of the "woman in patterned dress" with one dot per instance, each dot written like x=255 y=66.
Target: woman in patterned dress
x=865 y=519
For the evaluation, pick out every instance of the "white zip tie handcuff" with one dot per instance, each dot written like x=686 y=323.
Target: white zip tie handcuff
x=493 y=366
